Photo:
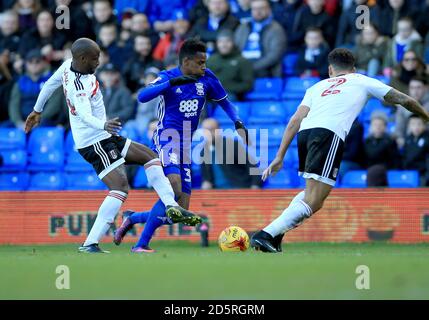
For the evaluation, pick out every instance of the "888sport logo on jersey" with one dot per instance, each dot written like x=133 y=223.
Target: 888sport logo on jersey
x=189 y=107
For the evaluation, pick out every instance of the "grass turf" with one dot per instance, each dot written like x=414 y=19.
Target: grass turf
x=182 y=270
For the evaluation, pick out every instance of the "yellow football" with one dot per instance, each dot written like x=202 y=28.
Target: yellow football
x=233 y=239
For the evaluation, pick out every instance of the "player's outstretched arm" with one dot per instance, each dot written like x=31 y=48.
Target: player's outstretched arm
x=396 y=97
x=290 y=132
x=155 y=89
x=230 y=110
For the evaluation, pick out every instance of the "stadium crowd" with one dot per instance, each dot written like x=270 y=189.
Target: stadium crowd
x=248 y=41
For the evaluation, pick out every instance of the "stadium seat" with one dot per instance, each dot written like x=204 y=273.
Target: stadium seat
x=266 y=89
x=403 y=179
x=291 y=106
x=268 y=112
x=291 y=157
x=12 y=139
x=289 y=62
x=130 y=132
x=46 y=149
x=47 y=181
x=267 y=134
x=74 y=161
x=243 y=109
x=220 y=115
x=354 y=179
x=140 y=179
x=84 y=181
x=283 y=179
x=14 y=181
x=295 y=87
x=13 y=160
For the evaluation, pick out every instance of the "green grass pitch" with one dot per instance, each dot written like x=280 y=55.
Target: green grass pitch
x=183 y=270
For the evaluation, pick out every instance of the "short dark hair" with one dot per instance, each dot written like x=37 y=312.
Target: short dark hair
x=314 y=29
x=190 y=48
x=341 y=59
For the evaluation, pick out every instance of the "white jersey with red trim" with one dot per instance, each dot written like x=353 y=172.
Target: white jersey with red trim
x=87 y=112
x=336 y=102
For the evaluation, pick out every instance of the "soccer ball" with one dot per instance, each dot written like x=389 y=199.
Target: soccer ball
x=233 y=239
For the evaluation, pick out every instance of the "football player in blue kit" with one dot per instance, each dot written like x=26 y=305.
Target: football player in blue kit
x=183 y=91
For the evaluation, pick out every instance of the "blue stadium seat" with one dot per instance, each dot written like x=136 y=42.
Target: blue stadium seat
x=220 y=115
x=54 y=180
x=243 y=109
x=268 y=112
x=295 y=87
x=354 y=179
x=140 y=179
x=84 y=181
x=14 y=160
x=403 y=179
x=14 y=181
x=289 y=62
x=130 y=132
x=283 y=179
x=291 y=106
x=74 y=161
x=12 y=139
x=273 y=137
x=266 y=89
x=46 y=149
x=383 y=79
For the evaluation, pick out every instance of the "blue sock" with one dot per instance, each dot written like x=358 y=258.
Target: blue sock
x=139 y=217
x=157 y=218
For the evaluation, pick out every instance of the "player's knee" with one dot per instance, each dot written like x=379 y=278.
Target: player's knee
x=122 y=186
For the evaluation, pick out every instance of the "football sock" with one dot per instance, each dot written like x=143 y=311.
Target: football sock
x=299 y=196
x=106 y=215
x=139 y=217
x=157 y=218
x=291 y=217
x=161 y=184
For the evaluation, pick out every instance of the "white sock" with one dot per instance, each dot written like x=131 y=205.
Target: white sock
x=291 y=217
x=161 y=184
x=106 y=215
x=299 y=196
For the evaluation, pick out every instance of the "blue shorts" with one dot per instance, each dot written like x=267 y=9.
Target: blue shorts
x=172 y=165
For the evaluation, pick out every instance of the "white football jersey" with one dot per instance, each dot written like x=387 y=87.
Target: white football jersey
x=336 y=102
x=87 y=112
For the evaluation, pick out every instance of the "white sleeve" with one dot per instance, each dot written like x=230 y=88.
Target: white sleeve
x=82 y=108
x=376 y=88
x=307 y=100
x=48 y=88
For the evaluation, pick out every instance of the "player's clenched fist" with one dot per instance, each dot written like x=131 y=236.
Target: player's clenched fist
x=32 y=121
x=113 y=126
x=274 y=167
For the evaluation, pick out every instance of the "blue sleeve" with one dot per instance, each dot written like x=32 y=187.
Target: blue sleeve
x=229 y=108
x=216 y=90
x=153 y=90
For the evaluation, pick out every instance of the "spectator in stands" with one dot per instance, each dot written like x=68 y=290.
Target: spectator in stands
x=80 y=24
x=262 y=41
x=10 y=35
x=284 y=13
x=147 y=110
x=103 y=14
x=380 y=151
x=27 y=11
x=125 y=32
x=107 y=37
x=410 y=67
x=313 y=57
x=347 y=31
x=370 y=51
x=242 y=10
x=386 y=18
x=221 y=168
x=416 y=149
x=162 y=12
x=46 y=38
x=309 y=15
x=6 y=85
x=117 y=98
x=219 y=18
x=419 y=90
x=141 y=60
x=406 y=39
x=26 y=89
x=353 y=150
x=140 y=26
x=234 y=71
x=169 y=45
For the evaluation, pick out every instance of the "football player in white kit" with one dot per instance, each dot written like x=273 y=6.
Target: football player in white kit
x=99 y=143
x=322 y=121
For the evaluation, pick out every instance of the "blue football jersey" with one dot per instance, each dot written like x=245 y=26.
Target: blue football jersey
x=180 y=106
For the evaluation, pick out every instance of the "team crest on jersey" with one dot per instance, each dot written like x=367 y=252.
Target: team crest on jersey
x=200 y=88
x=113 y=154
